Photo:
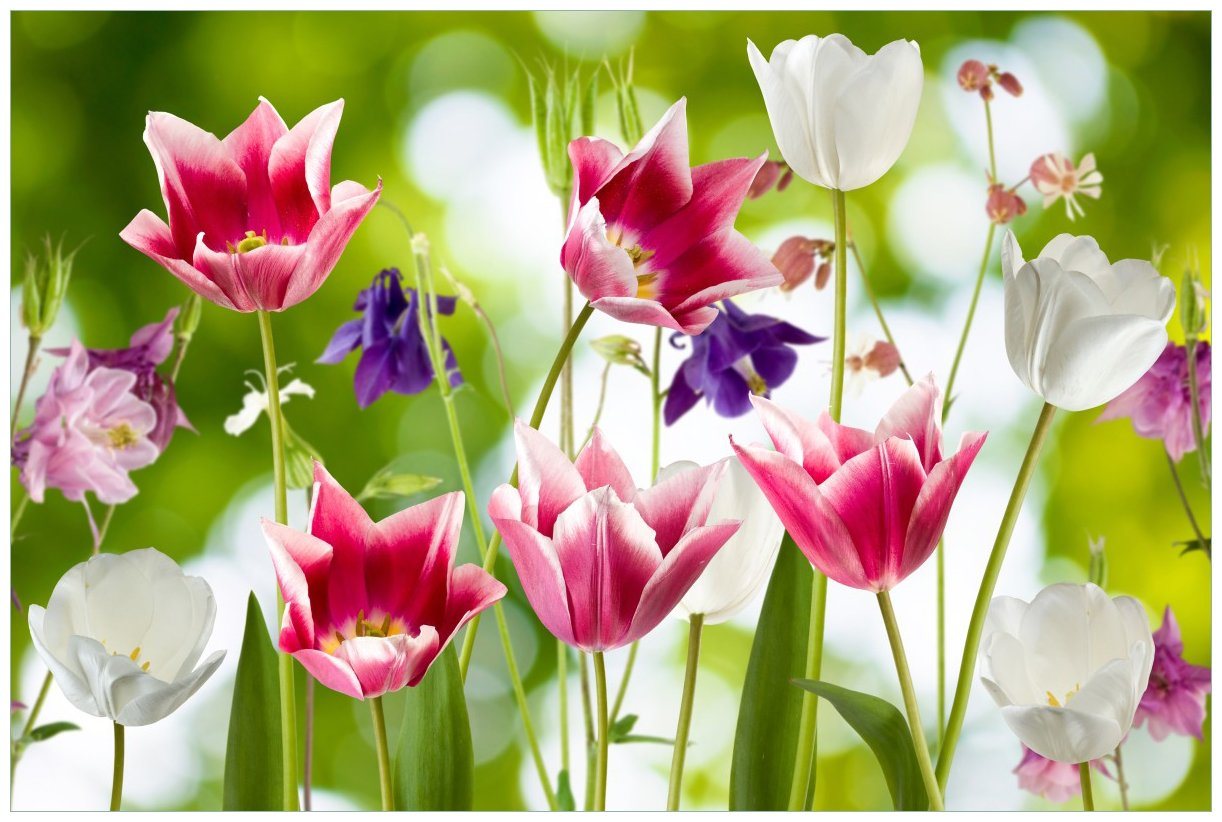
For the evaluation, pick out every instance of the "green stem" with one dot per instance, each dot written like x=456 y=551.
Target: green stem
x=1121 y=782
x=1088 y=796
x=623 y=683
x=562 y=676
x=878 y=309
x=587 y=710
x=568 y=436
x=971 y=646
x=837 y=398
x=940 y=564
x=31 y=362
x=1179 y=489
x=116 y=784
x=685 y=712
x=988 y=122
x=18 y=513
x=19 y=749
x=598 y=410
x=288 y=702
x=971 y=313
x=910 y=702
x=1198 y=426
x=383 y=751
x=600 y=768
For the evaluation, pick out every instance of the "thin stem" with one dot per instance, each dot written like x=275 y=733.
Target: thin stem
x=1121 y=782
x=307 y=765
x=685 y=712
x=18 y=750
x=837 y=398
x=801 y=788
x=941 y=572
x=116 y=784
x=656 y=398
x=383 y=753
x=967 y=323
x=587 y=711
x=911 y=707
x=288 y=702
x=1198 y=426
x=1088 y=796
x=988 y=122
x=598 y=410
x=1179 y=489
x=600 y=768
x=31 y=363
x=18 y=513
x=562 y=676
x=971 y=646
x=878 y=309
x=179 y=356
x=623 y=683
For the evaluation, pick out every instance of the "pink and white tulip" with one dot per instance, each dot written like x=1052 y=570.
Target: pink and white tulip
x=652 y=240
x=254 y=224
x=866 y=509
x=601 y=562
x=369 y=605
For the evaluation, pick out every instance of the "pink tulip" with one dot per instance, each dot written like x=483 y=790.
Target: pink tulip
x=89 y=431
x=369 y=606
x=651 y=240
x=254 y=222
x=866 y=509
x=601 y=562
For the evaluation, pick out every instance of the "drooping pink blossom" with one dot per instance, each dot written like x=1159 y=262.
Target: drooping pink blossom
x=89 y=431
x=1055 y=176
x=601 y=562
x=652 y=240
x=1003 y=205
x=1052 y=780
x=973 y=75
x=369 y=605
x=254 y=223
x=866 y=509
x=798 y=257
x=1174 y=699
x=1160 y=402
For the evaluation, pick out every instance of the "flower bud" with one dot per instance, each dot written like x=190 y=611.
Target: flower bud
x=1003 y=205
x=299 y=458
x=620 y=350
x=973 y=76
x=188 y=317
x=795 y=259
x=44 y=286
x=883 y=358
x=1010 y=83
x=1098 y=562
x=765 y=179
x=1193 y=298
x=559 y=118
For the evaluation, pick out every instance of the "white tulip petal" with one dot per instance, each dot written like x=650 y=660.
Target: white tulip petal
x=1056 y=633
x=64 y=668
x=1062 y=734
x=789 y=115
x=1005 y=616
x=1081 y=254
x=1137 y=632
x=1100 y=358
x=154 y=704
x=1136 y=287
x=1005 y=665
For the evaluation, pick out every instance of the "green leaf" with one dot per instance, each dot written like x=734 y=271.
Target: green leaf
x=435 y=763
x=299 y=458
x=766 y=739
x=387 y=484
x=884 y=729
x=254 y=773
x=45 y=732
x=622 y=727
x=564 y=793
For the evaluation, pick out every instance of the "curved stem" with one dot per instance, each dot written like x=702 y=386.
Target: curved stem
x=971 y=313
x=600 y=767
x=383 y=752
x=910 y=702
x=19 y=749
x=1198 y=427
x=1121 y=782
x=685 y=712
x=1179 y=489
x=116 y=784
x=288 y=702
x=971 y=646
x=31 y=362
x=1088 y=796
x=988 y=123
x=623 y=683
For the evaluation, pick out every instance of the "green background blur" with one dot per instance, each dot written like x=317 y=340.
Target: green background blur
x=82 y=83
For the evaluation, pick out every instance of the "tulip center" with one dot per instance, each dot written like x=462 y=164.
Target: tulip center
x=361 y=627
x=134 y=656
x=249 y=243
x=121 y=436
x=1056 y=703
x=646 y=288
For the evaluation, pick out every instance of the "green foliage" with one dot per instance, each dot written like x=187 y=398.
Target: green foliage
x=45 y=285
x=45 y=732
x=254 y=774
x=391 y=484
x=562 y=109
x=435 y=763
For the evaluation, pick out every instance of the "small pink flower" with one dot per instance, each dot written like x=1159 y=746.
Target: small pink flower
x=89 y=431
x=1160 y=402
x=866 y=509
x=652 y=240
x=601 y=562
x=369 y=605
x=1054 y=781
x=973 y=75
x=766 y=179
x=797 y=258
x=254 y=223
x=1010 y=83
x=1055 y=176
x=1003 y=205
x=867 y=360
x=1174 y=700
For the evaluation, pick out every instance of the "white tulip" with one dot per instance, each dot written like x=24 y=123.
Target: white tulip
x=122 y=633
x=738 y=571
x=1068 y=669
x=841 y=117
x=1079 y=329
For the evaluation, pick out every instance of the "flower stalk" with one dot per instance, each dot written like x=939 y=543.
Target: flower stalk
x=1088 y=796
x=383 y=752
x=685 y=712
x=116 y=784
x=31 y=364
x=600 y=768
x=1183 y=497
x=1198 y=428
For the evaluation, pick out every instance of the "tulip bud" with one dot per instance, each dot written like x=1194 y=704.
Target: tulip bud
x=1010 y=83
x=620 y=350
x=188 y=318
x=973 y=75
x=45 y=284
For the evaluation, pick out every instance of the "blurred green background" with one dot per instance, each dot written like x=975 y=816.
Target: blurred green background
x=1134 y=88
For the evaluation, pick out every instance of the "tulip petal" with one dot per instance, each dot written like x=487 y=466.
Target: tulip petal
x=721 y=266
x=654 y=179
x=594 y=161
x=933 y=504
x=598 y=267
x=385 y=664
x=301 y=563
x=600 y=465
x=1005 y=673
x=150 y=236
x=801 y=441
x=350 y=202
x=788 y=109
x=650 y=312
x=339 y=520
x=1062 y=734
x=675 y=576
x=534 y=558
x=63 y=665
x=472 y=589
x=409 y=555
x=917 y=414
x=299 y=169
x=1097 y=358
x=547 y=482
x=677 y=504
x=1056 y=630
x=331 y=671
x=255 y=280
x=159 y=702
x=250 y=145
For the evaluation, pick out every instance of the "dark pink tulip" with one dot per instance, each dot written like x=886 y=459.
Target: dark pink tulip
x=866 y=509
x=601 y=562
x=651 y=240
x=369 y=605
x=254 y=222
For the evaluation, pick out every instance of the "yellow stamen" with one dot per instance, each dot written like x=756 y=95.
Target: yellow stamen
x=145 y=667
x=121 y=436
x=252 y=242
x=646 y=287
x=135 y=654
x=1052 y=700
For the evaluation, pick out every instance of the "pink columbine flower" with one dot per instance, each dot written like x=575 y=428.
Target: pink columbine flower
x=369 y=605
x=1054 y=781
x=651 y=240
x=254 y=221
x=89 y=431
x=1174 y=700
x=601 y=562
x=797 y=258
x=866 y=509
x=1055 y=176
x=1160 y=403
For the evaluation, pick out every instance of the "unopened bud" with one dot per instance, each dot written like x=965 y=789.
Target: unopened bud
x=795 y=259
x=1193 y=298
x=188 y=317
x=1003 y=205
x=765 y=179
x=822 y=274
x=620 y=350
x=883 y=358
x=44 y=286
x=1010 y=83
x=1098 y=562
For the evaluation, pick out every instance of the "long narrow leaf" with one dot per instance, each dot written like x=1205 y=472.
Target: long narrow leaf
x=435 y=763
x=254 y=776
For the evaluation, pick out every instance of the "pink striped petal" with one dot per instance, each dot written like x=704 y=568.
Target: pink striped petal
x=257 y=279
x=722 y=265
x=594 y=161
x=386 y=664
x=547 y=482
x=150 y=236
x=654 y=180
x=472 y=589
x=340 y=521
x=598 y=267
x=874 y=494
x=651 y=312
x=607 y=554
x=676 y=575
x=250 y=145
x=917 y=415
x=350 y=203
x=331 y=671
x=534 y=558
x=934 y=503
x=802 y=441
x=408 y=557
x=301 y=563
x=847 y=441
x=807 y=515
x=299 y=169
x=599 y=465
x=680 y=503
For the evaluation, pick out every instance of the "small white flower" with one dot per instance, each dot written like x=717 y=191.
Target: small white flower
x=255 y=402
x=122 y=634
x=1055 y=176
x=866 y=360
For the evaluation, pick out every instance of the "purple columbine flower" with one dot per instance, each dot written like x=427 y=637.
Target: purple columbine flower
x=1160 y=403
x=738 y=355
x=1174 y=701
x=394 y=356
